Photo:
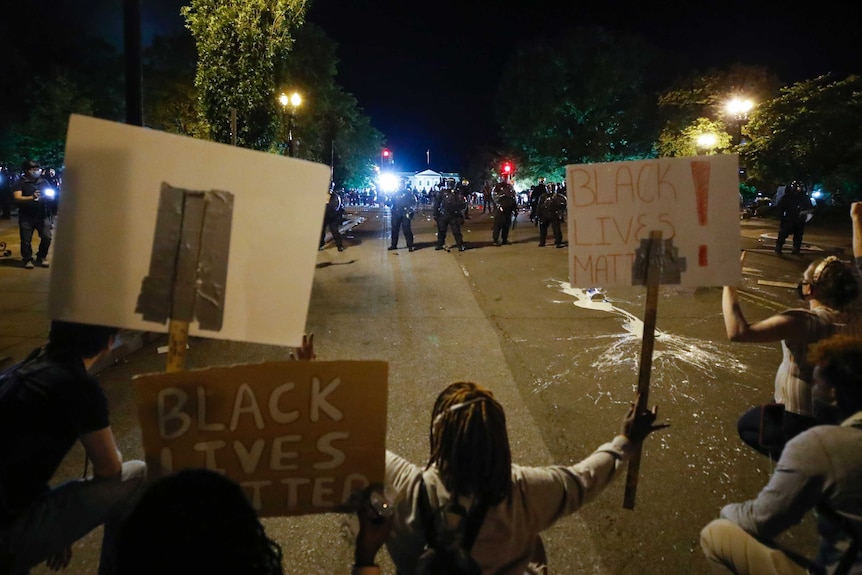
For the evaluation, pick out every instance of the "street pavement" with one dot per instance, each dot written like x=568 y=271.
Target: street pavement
x=439 y=317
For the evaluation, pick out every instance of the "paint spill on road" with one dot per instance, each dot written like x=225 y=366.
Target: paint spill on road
x=673 y=355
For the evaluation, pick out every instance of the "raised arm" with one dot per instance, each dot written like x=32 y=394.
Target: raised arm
x=856 y=218
x=775 y=328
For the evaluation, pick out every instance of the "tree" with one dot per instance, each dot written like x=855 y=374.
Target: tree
x=170 y=97
x=812 y=132
x=239 y=45
x=591 y=98
x=698 y=103
x=330 y=125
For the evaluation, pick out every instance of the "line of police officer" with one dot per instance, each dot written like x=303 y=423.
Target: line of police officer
x=450 y=209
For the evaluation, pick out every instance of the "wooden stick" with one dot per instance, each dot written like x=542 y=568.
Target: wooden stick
x=776 y=284
x=178 y=337
x=647 y=345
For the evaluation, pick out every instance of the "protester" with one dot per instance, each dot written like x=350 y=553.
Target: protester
x=819 y=470
x=195 y=521
x=829 y=287
x=47 y=402
x=470 y=469
x=30 y=193
x=856 y=218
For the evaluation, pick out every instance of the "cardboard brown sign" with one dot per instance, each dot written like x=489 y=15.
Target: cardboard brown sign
x=299 y=436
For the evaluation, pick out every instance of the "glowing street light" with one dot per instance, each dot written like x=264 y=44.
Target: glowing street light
x=294 y=101
x=706 y=141
x=738 y=108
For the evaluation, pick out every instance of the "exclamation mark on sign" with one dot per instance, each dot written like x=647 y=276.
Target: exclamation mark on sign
x=700 y=174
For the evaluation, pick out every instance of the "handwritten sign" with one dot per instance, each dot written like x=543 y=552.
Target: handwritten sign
x=693 y=202
x=299 y=436
x=108 y=233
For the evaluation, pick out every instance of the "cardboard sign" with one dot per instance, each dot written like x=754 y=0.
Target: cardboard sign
x=299 y=436
x=693 y=202
x=244 y=226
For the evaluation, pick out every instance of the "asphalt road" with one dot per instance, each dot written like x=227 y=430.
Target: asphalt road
x=505 y=317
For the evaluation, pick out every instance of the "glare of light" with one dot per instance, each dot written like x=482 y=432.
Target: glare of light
x=295 y=99
x=817 y=194
x=388 y=182
x=707 y=140
x=739 y=106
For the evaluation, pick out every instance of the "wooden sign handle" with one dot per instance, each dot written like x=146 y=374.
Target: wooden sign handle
x=178 y=337
x=648 y=343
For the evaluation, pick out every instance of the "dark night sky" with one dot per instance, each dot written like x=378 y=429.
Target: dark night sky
x=426 y=72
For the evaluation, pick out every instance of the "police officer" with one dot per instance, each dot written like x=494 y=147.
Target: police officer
x=463 y=188
x=30 y=194
x=402 y=209
x=793 y=209
x=551 y=211
x=536 y=194
x=449 y=209
x=332 y=219
x=505 y=207
x=5 y=193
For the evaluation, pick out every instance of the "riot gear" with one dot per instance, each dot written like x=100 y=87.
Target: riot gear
x=506 y=207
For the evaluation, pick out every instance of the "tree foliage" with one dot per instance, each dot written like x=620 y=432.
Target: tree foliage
x=685 y=105
x=170 y=97
x=239 y=44
x=330 y=126
x=586 y=95
x=812 y=132
x=51 y=70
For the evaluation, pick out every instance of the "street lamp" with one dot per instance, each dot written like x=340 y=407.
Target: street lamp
x=706 y=141
x=294 y=101
x=739 y=108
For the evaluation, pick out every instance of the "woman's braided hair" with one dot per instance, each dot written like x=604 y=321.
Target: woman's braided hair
x=469 y=443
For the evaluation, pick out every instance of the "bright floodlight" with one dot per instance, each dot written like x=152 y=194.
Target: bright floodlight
x=388 y=182
x=283 y=100
x=295 y=99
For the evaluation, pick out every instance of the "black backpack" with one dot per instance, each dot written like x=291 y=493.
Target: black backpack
x=448 y=553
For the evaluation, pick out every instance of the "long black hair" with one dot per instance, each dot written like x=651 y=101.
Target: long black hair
x=469 y=443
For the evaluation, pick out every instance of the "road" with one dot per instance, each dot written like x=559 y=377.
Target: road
x=505 y=317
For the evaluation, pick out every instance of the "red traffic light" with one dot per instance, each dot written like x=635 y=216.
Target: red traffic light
x=506 y=168
x=386 y=153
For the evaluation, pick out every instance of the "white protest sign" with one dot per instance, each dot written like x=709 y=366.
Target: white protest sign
x=693 y=202
x=106 y=242
x=298 y=436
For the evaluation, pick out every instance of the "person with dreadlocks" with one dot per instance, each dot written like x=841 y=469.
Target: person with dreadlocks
x=472 y=493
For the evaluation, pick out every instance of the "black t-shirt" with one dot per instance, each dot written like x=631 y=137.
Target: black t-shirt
x=28 y=186
x=46 y=404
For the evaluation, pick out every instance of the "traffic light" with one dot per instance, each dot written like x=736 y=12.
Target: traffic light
x=506 y=169
x=386 y=154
